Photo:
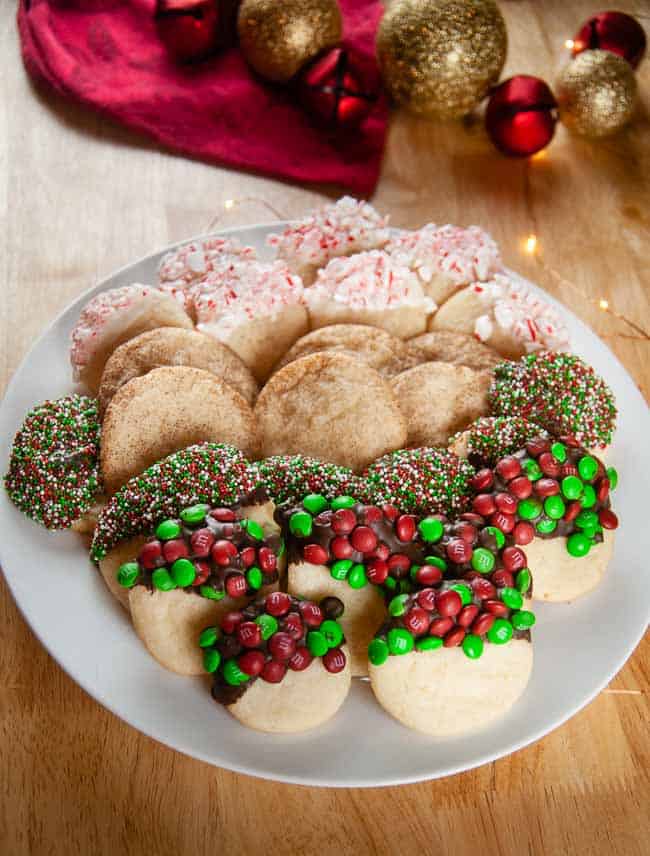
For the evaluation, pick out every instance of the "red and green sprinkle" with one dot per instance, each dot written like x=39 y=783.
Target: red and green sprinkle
x=214 y=473
x=559 y=392
x=489 y=438
x=288 y=478
x=421 y=481
x=54 y=469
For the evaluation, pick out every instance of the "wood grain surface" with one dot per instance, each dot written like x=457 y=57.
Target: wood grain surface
x=80 y=197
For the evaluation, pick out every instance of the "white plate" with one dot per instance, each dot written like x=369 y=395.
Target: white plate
x=578 y=648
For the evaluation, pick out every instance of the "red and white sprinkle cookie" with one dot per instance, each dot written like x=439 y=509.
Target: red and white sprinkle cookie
x=192 y=262
x=114 y=317
x=370 y=288
x=339 y=229
x=447 y=257
x=256 y=309
x=505 y=314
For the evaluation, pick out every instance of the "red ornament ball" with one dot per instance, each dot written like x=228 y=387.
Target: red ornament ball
x=333 y=92
x=189 y=29
x=615 y=32
x=521 y=116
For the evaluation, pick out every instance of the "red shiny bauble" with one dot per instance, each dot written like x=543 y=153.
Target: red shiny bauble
x=615 y=32
x=521 y=116
x=189 y=29
x=332 y=90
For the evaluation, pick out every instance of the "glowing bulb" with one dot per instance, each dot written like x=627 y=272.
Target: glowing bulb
x=569 y=44
x=604 y=304
x=228 y=204
x=531 y=244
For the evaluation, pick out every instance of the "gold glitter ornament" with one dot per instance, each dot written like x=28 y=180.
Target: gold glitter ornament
x=596 y=93
x=439 y=57
x=278 y=37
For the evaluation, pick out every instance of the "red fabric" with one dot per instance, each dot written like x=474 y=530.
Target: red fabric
x=106 y=54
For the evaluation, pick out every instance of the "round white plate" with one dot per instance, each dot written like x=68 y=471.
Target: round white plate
x=578 y=648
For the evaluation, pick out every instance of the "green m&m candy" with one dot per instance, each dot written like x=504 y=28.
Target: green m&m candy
x=529 y=509
x=332 y=632
x=254 y=577
x=497 y=534
x=430 y=529
x=253 y=528
x=512 y=598
x=586 y=520
x=211 y=660
x=482 y=560
x=572 y=487
x=268 y=625
x=523 y=580
x=357 y=577
x=378 y=652
x=554 y=507
x=212 y=593
x=183 y=572
x=558 y=450
x=232 y=674
x=167 y=530
x=472 y=646
x=342 y=502
x=578 y=544
x=162 y=580
x=436 y=561
x=587 y=467
x=533 y=470
x=315 y=503
x=300 y=523
x=341 y=568
x=400 y=641
x=522 y=620
x=317 y=643
x=128 y=574
x=588 y=496
x=546 y=526
x=612 y=475
x=428 y=643
x=208 y=637
x=500 y=632
x=464 y=591
x=397 y=606
x=390 y=583
x=194 y=514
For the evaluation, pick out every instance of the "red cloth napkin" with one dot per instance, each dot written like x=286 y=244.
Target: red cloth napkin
x=106 y=54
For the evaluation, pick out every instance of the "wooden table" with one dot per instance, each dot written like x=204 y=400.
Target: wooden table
x=81 y=198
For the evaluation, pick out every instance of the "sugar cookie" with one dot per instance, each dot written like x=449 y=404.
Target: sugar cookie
x=173 y=346
x=342 y=228
x=332 y=407
x=369 y=288
x=113 y=317
x=445 y=346
x=438 y=399
x=166 y=410
x=280 y=664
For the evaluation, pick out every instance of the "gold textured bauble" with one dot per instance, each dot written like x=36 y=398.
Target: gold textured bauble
x=278 y=37
x=439 y=57
x=596 y=93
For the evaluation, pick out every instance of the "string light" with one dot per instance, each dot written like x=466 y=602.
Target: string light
x=229 y=204
x=530 y=245
x=569 y=44
x=604 y=304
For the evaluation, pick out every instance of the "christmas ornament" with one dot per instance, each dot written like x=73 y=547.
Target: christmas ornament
x=278 y=38
x=596 y=93
x=439 y=57
x=188 y=28
x=521 y=116
x=615 y=32
x=332 y=90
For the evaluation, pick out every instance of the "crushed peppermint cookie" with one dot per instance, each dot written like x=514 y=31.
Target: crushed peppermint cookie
x=243 y=292
x=461 y=255
x=213 y=473
x=288 y=478
x=513 y=308
x=421 y=481
x=488 y=438
x=338 y=229
x=194 y=261
x=372 y=280
x=54 y=467
x=559 y=392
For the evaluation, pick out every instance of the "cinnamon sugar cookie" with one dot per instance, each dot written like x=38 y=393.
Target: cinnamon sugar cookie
x=166 y=410
x=172 y=346
x=446 y=346
x=438 y=399
x=331 y=407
